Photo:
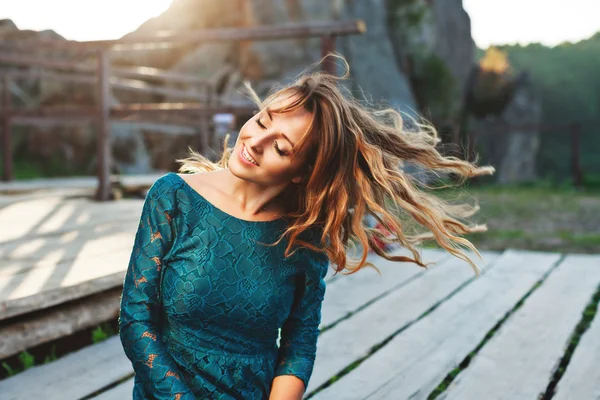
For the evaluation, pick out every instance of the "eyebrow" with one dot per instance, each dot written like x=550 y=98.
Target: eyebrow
x=282 y=134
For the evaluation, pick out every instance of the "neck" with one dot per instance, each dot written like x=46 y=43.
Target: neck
x=252 y=198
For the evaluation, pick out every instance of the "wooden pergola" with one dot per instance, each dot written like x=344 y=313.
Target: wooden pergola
x=103 y=75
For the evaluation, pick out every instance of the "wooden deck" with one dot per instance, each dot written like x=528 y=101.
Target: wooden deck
x=395 y=336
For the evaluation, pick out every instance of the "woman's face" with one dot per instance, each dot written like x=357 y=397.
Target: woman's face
x=270 y=138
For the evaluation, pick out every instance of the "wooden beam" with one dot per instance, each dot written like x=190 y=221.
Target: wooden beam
x=65 y=112
x=34 y=329
x=141 y=86
x=28 y=61
x=125 y=72
x=122 y=111
x=575 y=155
x=328 y=46
x=273 y=32
x=48 y=122
x=158 y=74
x=58 y=76
x=7 y=161
x=139 y=112
x=123 y=84
x=103 y=159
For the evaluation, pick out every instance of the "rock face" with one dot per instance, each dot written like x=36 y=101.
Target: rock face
x=267 y=62
x=374 y=51
x=433 y=46
x=510 y=140
x=453 y=41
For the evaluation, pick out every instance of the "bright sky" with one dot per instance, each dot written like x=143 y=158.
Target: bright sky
x=82 y=19
x=493 y=21
x=524 y=21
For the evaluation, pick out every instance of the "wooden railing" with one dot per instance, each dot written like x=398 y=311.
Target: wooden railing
x=105 y=76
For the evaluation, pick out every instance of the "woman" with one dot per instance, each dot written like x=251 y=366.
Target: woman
x=229 y=254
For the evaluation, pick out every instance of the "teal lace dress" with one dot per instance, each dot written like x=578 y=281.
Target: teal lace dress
x=203 y=301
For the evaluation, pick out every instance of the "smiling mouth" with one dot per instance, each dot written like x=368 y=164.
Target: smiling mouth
x=247 y=156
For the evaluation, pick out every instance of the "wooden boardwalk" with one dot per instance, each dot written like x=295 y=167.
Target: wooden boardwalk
x=394 y=336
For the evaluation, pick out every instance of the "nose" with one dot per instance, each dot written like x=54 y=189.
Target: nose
x=257 y=141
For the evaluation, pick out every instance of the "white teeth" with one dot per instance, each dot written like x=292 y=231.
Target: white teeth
x=247 y=156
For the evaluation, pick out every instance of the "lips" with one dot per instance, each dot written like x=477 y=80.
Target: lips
x=245 y=150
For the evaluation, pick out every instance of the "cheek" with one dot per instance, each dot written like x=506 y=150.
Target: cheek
x=277 y=166
x=245 y=129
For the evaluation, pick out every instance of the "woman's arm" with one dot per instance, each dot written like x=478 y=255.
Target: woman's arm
x=298 y=345
x=139 y=312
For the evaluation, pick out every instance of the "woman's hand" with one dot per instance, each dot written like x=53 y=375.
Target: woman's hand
x=287 y=387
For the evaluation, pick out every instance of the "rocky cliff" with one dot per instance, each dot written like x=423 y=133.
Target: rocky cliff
x=400 y=34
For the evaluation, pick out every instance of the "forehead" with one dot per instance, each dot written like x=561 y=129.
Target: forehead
x=293 y=123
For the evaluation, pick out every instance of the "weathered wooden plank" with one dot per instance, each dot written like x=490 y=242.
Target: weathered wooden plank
x=120 y=392
x=582 y=377
x=32 y=330
x=134 y=72
x=81 y=182
x=138 y=72
x=55 y=215
x=61 y=276
x=133 y=85
x=22 y=255
x=351 y=292
x=73 y=376
x=517 y=363
x=65 y=111
x=52 y=297
x=414 y=362
x=198 y=109
x=352 y=339
x=17 y=196
x=28 y=61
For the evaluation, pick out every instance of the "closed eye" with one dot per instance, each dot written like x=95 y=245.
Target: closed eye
x=277 y=149
x=281 y=153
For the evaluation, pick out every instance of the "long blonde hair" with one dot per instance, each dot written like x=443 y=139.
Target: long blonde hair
x=356 y=170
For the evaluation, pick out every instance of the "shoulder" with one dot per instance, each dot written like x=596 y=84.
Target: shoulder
x=164 y=188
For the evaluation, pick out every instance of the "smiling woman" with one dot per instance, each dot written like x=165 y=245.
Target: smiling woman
x=83 y=20
x=229 y=254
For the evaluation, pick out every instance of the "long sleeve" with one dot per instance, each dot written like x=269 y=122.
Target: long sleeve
x=139 y=312
x=299 y=333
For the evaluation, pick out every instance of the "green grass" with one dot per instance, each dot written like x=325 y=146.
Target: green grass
x=24 y=170
x=102 y=332
x=26 y=360
x=532 y=217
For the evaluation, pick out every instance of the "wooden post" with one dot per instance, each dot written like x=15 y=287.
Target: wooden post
x=471 y=145
x=212 y=139
x=103 y=193
x=328 y=46
x=202 y=139
x=575 y=161
x=7 y=162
